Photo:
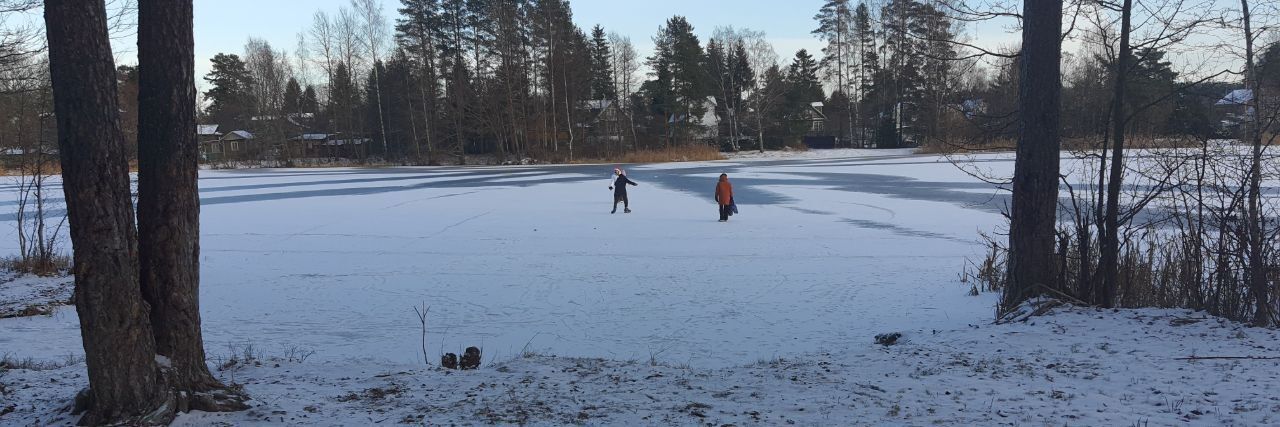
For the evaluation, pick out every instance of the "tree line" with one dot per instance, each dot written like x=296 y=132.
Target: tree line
x=518 y=78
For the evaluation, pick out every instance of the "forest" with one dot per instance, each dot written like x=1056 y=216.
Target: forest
x=519 y=81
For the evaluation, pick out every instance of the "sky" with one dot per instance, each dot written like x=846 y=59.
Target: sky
x=225 y=25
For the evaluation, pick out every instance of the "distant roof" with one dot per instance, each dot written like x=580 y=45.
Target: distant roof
x=1236 y=97
x=599 y=104
x=207 y=130
x=239 y=134
x=353 y=141
x=311 y=137
x=816 y=104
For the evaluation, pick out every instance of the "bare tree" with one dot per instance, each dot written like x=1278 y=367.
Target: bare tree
x=764 y=97
x=301 y=57
x=626 y=63
x=373 y=28
x=324 y=42
x=731 y=39
x=348 y=36
x=1254 y=127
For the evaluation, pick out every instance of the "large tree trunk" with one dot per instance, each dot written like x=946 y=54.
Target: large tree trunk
x=168 y=201
x=1110 y=247
x=1257 y=259
x=119 y=348
x=1035 y=179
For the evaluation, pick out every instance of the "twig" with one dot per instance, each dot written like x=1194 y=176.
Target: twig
x=422 y=318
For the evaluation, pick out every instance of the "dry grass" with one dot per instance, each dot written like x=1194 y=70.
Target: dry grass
x=53 y=266
x=1139 y=142
x=684 y=153
x=959 y=147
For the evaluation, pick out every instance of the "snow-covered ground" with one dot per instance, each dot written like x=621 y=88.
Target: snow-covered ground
x=661 y=316
x=1071 y=367
x=27 y=295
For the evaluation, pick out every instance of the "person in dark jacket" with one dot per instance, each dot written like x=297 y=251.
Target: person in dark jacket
x=724 y=197
x=619 y=188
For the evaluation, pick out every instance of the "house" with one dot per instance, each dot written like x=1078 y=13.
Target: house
x=235 y=145
x=330 y=145
x=815 y=118
x=1236 y=107
x=707 y=126
x=207 y=132
x=300 y=120
x=605 y=121
x=814 y=123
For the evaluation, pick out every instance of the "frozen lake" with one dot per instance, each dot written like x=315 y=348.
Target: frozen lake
x=825 y=253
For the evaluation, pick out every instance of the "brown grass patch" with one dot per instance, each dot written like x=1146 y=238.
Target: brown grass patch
x=683 y=153
x=951 y=147
x=1138 y=142
x=55 y=265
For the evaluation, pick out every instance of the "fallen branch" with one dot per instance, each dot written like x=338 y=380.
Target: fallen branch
x=1228 y=358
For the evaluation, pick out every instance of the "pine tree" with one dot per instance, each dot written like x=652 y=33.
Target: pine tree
x=836 y=27
x=344 y=101
x=416 y=32
x=804 y=87
x=115 y=326
x=680 y=83
x=602 y=86
x=292 y=96
x=803 y=77
x=230 y=103
x=168 y=211
x=453 y=33
x=310 y=102
x=868 y=67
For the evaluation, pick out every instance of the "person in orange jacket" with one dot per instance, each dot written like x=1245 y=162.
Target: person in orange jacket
x=724 y=197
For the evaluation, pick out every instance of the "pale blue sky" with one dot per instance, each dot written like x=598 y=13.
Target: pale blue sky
x=224 y=25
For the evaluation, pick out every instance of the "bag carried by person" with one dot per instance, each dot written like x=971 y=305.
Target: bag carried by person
x=733 y=206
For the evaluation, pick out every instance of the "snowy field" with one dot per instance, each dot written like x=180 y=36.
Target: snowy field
x=661 y=316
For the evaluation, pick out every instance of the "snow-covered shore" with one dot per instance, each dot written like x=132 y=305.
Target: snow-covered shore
x=1072 y=367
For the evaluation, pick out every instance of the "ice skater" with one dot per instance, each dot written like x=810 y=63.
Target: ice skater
x=619 y=187
x=724 y=197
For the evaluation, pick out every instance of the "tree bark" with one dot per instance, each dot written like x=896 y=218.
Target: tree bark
x=1110 y=247
x=1257 y=258
x=1036 y=170
x=119 y=347
x=168 y=198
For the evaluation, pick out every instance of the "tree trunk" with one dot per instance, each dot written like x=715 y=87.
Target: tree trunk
x=1257 y=260
x=382 y=123
x=119 y=347
x=168 y=198
x=1035 y=181
x=1110 y=247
